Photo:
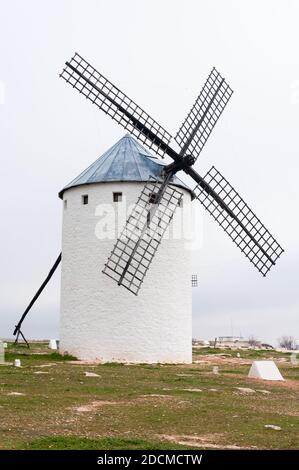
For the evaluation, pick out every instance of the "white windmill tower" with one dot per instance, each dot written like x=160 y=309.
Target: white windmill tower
x=100 y=318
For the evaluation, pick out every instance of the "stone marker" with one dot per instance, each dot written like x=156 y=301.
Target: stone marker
x=53 y=344
x=17 y=363
x=266 y=370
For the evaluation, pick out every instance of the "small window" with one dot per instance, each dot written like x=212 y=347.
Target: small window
x=117 y=197
x=85 y=199
x=194 y=281
x=180 y=202
x=65 y=203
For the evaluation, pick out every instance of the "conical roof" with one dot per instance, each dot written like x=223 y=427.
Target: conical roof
x=127 y=160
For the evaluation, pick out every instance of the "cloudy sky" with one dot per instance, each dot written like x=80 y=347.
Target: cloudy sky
x=159 y=53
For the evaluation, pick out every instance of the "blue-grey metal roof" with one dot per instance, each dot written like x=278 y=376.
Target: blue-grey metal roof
x=127 y=160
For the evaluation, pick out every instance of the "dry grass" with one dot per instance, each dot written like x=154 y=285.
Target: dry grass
x=145 y=406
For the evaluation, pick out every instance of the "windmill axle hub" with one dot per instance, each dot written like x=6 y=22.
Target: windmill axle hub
x=181 y=164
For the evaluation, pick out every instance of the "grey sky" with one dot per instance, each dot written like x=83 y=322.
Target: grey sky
x=159 y=53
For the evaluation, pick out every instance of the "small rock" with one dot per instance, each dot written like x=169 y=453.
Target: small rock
x=40 y=372
x=266 y=392
x=245 y=390
x=238 y=355
x=213 y=390
x=192 y=390
x=215 y=370
x=16 y=394
x=272 y=426
x=155 y=395
x=46 y=365
x=91 y=374
x=184 y=375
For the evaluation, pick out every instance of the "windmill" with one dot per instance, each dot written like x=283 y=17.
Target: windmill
x=83 y=305
x=133 y=252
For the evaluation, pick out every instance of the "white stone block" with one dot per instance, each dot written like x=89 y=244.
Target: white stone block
x=53 y=344
x=266 y=370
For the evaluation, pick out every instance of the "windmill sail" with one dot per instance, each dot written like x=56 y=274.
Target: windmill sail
x=100 y=91
x=204 y=114
x=136 y=247
x=131 y=256
x=238 y=221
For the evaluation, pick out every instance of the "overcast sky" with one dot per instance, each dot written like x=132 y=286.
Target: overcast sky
x=159 y=53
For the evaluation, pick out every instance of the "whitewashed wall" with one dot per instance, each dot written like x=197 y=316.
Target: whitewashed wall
x=105 y=322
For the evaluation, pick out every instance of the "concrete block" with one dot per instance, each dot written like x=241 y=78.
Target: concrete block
x=266 y=370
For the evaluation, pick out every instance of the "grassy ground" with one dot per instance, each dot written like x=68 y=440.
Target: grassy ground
x=50 y=403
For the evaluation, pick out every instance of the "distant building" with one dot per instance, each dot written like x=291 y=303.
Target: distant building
x=235 y=342
x=231 y=342
x=230 y=339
